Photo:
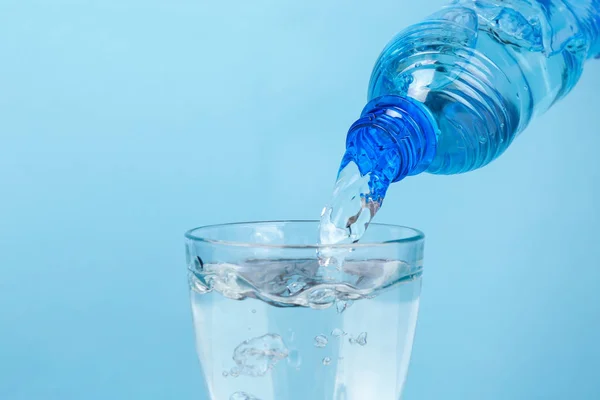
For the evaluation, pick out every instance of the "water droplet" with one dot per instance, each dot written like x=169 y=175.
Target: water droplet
x=294 y=359
x=362 y=339
x=253 y=311
x=326 y=361
x=234 y=372
x=337 y=332
x=321 y=341
x=257 y=356
x=482 y=139
x=225 y=374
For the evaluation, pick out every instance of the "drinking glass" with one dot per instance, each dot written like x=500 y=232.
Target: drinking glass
x=277 y=317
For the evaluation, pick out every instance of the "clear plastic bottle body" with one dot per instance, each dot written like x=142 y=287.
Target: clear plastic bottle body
x=484 y=68
x=450 y=94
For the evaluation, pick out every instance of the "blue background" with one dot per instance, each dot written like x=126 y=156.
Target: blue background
x=126 y=122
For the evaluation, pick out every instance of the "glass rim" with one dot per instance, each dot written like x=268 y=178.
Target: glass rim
x=414 y=237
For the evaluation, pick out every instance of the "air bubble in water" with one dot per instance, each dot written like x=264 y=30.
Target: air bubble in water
x=257 y=356
x=326 y=361
x=362 y=339
x=225 y=374
x=577 y=44
x=341 y=305
x=511 y=27
x=234 y=372
x=242 y=396
x=404 y=81
x=337 y=332
x=321 y=341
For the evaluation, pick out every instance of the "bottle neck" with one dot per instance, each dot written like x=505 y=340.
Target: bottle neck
x=394 y=137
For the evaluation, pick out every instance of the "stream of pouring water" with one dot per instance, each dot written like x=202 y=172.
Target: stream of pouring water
x=351 y=208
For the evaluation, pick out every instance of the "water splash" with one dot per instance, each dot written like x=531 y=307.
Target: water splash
x=317 y=286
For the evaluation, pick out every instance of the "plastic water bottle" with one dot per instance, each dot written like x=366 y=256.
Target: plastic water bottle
x=450 y=94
